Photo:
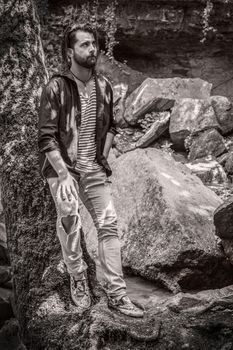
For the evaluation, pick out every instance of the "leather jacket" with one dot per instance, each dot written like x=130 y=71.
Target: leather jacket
x=60 y=119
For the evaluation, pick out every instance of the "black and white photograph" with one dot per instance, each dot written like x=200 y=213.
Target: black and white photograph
x=116 y=175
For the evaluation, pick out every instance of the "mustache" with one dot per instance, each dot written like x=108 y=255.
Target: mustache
x=95 y=55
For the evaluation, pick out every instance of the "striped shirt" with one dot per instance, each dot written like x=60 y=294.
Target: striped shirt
x=86 y=155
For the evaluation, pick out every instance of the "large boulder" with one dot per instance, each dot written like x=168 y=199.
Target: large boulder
x=229 y=163
x=165 y=222
x=149 y=130
x=160 y=94
x=227 y=245
x=188 y=116
x=208 y=142
x=224 y=113
x=223 y=219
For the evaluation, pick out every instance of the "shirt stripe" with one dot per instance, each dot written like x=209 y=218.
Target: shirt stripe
x=86 y=155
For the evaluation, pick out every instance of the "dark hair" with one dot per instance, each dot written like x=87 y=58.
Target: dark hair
x=69 y=39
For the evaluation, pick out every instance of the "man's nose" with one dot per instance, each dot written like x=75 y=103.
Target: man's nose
x=92 y=48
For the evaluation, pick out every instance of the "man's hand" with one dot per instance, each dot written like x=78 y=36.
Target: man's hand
x=67 y=188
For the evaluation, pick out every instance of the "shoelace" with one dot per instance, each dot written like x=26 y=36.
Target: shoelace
x=123 y=302
x=128 y=304
x=79 y=286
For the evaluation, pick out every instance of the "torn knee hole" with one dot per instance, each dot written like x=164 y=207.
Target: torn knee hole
x=69 y=223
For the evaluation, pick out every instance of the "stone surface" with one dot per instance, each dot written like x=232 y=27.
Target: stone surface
x=165 y=218
x=208 y=142
x=223 y=219
x=224 y=113
x=180 y=157
x=222 y=159
x=119 y=98
x=160 y=94
x=196 y=313
x=227 y=245
x=229 y=163
x=164 y=22
x=201 y=301
x=170 y=220
x=124 y=81
x=190 y=115
x=155 y=131
x=208 y=170
x=126 y=139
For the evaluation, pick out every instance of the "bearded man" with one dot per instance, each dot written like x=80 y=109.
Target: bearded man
x=76 y=131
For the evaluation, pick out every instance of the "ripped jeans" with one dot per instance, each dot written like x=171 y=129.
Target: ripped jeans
x=94 y=191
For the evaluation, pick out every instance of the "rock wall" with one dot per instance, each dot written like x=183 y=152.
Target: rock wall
x=163 y=39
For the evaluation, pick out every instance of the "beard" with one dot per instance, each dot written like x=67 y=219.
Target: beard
x=88 y=62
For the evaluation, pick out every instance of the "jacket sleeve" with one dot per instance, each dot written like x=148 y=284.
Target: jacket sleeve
x=112 y=122
x=49 y=117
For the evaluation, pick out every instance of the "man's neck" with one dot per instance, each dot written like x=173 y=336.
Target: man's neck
x=81 y=73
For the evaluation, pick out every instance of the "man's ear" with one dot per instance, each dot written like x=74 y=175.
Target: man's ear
x=70 y=53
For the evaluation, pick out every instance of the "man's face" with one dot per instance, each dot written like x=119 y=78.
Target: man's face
x=84 y=52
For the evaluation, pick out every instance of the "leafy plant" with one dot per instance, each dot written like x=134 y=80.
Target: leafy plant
x=110 y=28
x=206 y=20
x=166 y=147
